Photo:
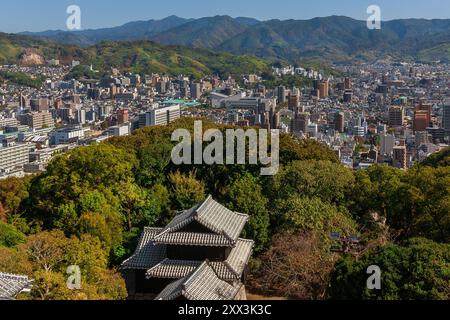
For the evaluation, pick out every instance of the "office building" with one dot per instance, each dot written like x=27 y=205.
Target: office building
x=119 y=131
x=160 y=117
x=67 y=135
x=421 y=120
x=396 y=116
x=122 y=116
x=387 y=144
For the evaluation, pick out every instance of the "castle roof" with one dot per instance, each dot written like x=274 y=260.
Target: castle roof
x=225 y=226
x=11 y=285
x=201 y=284
x=229 y=270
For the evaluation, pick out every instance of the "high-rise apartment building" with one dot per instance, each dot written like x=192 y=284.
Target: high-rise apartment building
x=400 y=160
x=387 y=144
x=14 y=156
x=293 y=102
x=196 y=92
x=324 y=88
x=421 y=120
x=396 y=116
x=281 y=94
x=37 y=120
x=300 y=123
x=446 y=116
x=348 y=84
x=40 y=104
x=339 y=122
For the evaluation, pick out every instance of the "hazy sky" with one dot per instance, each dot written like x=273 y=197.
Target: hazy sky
x=32 y=15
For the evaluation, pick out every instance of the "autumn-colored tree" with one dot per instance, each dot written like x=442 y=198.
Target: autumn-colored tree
x=186 y=190
x=45 y=257
x=297 y=265
x=13 y=192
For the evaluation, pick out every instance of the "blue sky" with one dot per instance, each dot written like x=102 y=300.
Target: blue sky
x=31 y=15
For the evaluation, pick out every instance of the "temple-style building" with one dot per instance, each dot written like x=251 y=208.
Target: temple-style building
x=11 y=285
x=197 y=256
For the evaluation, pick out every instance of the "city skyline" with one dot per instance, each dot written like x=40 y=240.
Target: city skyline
x=51 y=15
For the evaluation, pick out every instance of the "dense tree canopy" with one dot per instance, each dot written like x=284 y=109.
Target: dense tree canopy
x=46 y=256
x=92 y=203
x=417 y=270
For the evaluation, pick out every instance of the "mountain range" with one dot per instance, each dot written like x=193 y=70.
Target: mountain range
x=335 y=38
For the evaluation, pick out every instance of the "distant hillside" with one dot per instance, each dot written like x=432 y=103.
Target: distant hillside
x=147 y=57
x=337 y=38
x=135 y=56
x=340 y=38
x=206 y=33
x=137 y=30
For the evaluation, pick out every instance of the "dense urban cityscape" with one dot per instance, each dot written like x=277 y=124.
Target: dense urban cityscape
x=385 y=113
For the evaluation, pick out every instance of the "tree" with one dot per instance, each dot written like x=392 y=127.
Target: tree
x=431 y=202
x=186 y=190
x=415 y=203
x=292 y=149
x=153 y=161
x=440 y=159
x=379 y=189
x=45 y=258
x=418 y=270
x=10 y=236
x=328 y=181
x=297 y=265
x=299 y=213
x=13 y=192
x=245 y=196
x=101 y=167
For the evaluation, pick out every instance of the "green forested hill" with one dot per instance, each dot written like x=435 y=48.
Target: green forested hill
x=137 y=56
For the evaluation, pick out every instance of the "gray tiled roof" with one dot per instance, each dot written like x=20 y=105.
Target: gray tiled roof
x=194 y=239
x=212 y=215
x=173 y=269
x=229 y=270
x=11 y=285
x=239 y=256
x=201 y=284
x=148 y=253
